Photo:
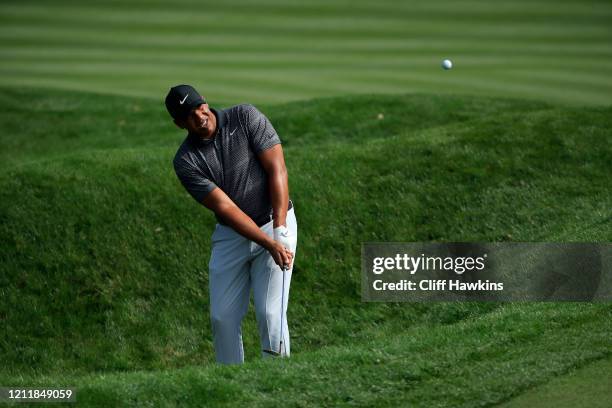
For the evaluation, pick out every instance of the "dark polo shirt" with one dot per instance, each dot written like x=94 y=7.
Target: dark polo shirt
x=229 y=161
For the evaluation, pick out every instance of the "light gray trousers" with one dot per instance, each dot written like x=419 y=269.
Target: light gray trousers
x=237 y=265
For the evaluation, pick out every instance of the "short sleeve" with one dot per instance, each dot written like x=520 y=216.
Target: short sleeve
x=193 y=180
x=261 y=133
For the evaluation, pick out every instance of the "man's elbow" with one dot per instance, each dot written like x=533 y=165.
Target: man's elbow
x=279 y=173
x=225 y=210
x=220 y=208
x=218 y=202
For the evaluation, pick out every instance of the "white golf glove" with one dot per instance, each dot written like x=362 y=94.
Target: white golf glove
x=285 y=237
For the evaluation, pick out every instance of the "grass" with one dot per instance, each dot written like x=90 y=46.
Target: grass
x=103 y=256
x=426 y=365
x=104 y=283
x=278 y=51
x=586 y=386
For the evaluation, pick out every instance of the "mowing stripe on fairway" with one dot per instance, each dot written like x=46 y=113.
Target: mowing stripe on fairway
x=589 y=386
x=279 y=51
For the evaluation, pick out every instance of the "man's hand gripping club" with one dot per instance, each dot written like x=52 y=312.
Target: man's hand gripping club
x=287 y=240
x=223 y=206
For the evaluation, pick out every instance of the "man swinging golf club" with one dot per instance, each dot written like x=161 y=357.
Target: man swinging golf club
x=232 y=162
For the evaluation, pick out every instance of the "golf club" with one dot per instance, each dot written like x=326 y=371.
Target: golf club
x=280 y=344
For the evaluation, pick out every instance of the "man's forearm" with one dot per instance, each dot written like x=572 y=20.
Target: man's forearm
x=279 y=194
x=244 y=225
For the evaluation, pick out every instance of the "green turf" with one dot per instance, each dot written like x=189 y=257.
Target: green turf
x=278 y=50
x=473 y=363
x=589 y=386
x=100 y=275
x=104 y=286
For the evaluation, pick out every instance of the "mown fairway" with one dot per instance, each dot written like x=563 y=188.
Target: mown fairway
x=103 y=285
x=280 y=50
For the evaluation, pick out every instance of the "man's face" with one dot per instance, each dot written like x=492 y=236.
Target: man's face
x=200 y=121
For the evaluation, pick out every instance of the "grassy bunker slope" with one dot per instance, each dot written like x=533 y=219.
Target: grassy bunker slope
x=101 y=272
x=473 y=363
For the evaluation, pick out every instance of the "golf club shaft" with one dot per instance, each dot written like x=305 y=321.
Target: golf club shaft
x=280 y=345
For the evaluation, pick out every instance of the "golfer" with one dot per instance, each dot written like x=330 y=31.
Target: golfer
x=232 y=162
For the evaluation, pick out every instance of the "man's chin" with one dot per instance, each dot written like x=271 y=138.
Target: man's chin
x=204 y=133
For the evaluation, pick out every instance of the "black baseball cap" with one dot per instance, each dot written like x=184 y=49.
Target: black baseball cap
x=181 y=99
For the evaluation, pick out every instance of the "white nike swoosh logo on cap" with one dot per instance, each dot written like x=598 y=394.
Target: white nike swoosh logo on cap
x=233 y=131
x=184 y=99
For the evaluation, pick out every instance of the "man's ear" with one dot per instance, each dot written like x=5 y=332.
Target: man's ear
x=179 y=123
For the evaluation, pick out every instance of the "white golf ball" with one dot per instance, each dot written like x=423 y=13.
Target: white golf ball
x=447 y=64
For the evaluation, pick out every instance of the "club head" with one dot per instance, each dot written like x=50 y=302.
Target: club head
x=272 y=353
